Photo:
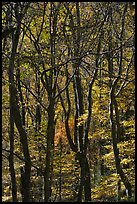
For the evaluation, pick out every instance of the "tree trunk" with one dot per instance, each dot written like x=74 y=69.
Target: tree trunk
x=114 y=120
x=84 y=178
x=16 y=112
x=24 y=143
x=49 y=155
x=51 y=90
x=25 y=184
x=114 y=134
x=11 y=157
x=23 y=112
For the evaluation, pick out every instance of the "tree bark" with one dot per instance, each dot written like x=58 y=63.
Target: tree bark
x=114 y=135
x=50 y=85
x=16 y=112
x=23 y=140
x=49 y=155
x=114 y=119
x=84 y=178
x=11 y=157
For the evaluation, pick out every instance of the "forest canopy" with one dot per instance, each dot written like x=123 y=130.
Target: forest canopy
x=68 y=101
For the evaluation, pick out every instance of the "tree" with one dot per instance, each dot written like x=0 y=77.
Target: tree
x=14 y=108
x=81 y=128
x=115 y=124
x=68 y=101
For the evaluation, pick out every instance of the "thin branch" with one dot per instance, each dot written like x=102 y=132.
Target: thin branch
x=67 y=84
x=125 y=79
x=23 y=159
x=43 y=20
x=33 y=95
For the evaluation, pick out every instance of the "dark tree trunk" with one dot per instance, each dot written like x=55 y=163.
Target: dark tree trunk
x=25 y=184
x=114 y=119
x=87 y=184
x=24 y=143
x=80 y=132
x=11 y=157
x=23 y=112
x=115 y=148
x=16 y=111
x=50 y=84
x=49 y=155
x=39 y=196
x=84 y=178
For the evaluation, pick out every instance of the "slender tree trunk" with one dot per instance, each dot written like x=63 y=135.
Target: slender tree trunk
x=23 y=112
x=119 y=190
x=87 y=184
x=79 y=105
x=16 y=113
x=37 y=128
x=11 y=157
x=24 y=142
x=84 y=178
x=114 y=134
x=114 y=119
x=49 y=155
x=51 y=90
x=80 y=132
x=54 y=9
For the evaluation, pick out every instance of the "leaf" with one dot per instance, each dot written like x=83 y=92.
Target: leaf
x=82 y=118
